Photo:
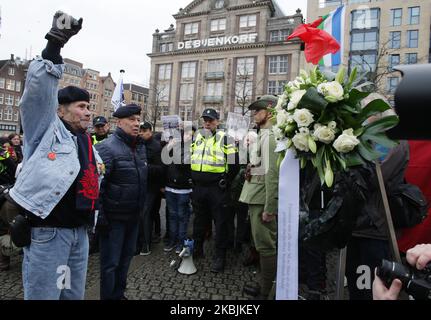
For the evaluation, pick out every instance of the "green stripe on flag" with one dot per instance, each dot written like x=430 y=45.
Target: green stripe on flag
x=321 y=27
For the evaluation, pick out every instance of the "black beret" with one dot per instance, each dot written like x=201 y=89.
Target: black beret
x=72 y=94
x=127 y=111
x=99 y=121
x=264 y=102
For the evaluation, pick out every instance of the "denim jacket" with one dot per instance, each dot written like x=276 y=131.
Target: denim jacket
x=42 y=182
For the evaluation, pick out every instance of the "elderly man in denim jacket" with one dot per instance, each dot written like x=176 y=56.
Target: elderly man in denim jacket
x=58 y=187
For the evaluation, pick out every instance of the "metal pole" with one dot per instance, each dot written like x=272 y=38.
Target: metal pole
x=390 y=224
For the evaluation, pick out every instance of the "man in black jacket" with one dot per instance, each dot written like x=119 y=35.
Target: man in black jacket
x=150 y=215
x=123 y=193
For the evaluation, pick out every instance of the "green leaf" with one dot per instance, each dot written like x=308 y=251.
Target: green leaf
x=381 y=125
x=319 y=163
x=313 y=101
x=367 y=151
x=353 y=159
x=356 y=96
x=349 y=109
x=359 y=132
x=381 y=139
x=340 y=160
x=374 y=107
x=303 y=162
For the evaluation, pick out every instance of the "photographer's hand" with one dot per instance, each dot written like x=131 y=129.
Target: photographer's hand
x=380 y=292
x=419 y=256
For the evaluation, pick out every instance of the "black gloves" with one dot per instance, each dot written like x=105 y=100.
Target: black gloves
x=63 y=28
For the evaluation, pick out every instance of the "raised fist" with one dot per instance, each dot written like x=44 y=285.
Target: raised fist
x=63 y=28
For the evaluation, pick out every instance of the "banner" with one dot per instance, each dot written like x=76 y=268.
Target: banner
x=171 y=127
x=288 y=229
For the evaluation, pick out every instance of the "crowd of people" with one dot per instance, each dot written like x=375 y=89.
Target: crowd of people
x=69 y=186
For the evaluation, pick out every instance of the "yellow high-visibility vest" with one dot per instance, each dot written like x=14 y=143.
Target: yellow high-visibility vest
x=210 y=154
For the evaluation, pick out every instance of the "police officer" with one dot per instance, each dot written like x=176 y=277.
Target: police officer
x=101 y=130
x=260 y=192
x=214 y=163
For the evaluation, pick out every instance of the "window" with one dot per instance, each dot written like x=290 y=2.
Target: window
x=15 y=116
x=108 y=93
x=1 y=114
x=218 y=25
x=18 y=86
x=244 y=90
x=191 y=28
x=414 y=15
x=9 y=100
x=164 y=111
x=392 y=84
x=395 y=40
x=165 y=71
x=163 y=93
x=11 y=72
x=278 y=65
x=394 y=60
x=219 y=4
x=411 y=58
x=412 y=38
x=365 y=19
x=278 y=35
x=2 y=83
x=186 y=113
x=188 y=70
x=166 y=47
x=365 y=63
x=276 y=87
x=215 y=89
x=247 y=21
x=187 y=91
x=17 y=99
x=10 y=85
x=8 y=114
x=245 y=66
x=1 y=98
x=366 y=40
x=396 y=17
x=216 y=65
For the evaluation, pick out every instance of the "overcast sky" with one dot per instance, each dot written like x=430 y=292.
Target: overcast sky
x=117 y=34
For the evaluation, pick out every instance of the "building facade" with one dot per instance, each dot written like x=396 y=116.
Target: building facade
x=222 y=54
x=382 y=34
x=12 y=80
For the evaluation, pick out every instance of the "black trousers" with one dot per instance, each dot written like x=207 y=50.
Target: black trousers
x=146 y=222
x=211 y=203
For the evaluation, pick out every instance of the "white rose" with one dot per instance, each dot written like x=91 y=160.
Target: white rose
x=295 y=98
x=346 y=142
x=332 y=91
x=324 y=134
x=332 y=125
x=300 y=141
x=282 y=117
x=303 y=117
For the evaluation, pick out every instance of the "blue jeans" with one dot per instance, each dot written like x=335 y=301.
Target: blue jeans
x=55 y=264
x=179 y=216
x=117 y=249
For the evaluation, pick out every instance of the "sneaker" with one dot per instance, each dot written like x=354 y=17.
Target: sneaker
x=145 y=251
x=169 y=247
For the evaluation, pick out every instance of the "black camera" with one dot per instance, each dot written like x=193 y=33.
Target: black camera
x=416 y=283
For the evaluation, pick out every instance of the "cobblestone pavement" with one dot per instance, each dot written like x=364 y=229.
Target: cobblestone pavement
x=152 y=278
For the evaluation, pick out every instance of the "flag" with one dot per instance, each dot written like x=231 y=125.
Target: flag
x=319 y=43
x=118 y=96
x=334 y=24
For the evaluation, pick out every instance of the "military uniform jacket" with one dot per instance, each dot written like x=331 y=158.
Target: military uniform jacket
x=262 y=189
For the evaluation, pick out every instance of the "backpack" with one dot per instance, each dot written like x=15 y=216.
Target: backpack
x=408 y=205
